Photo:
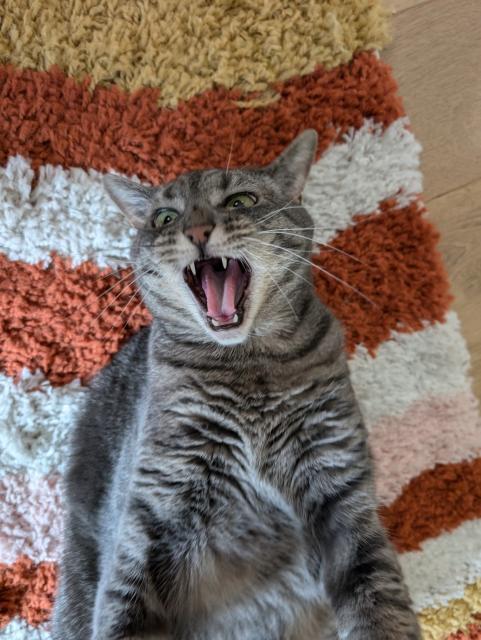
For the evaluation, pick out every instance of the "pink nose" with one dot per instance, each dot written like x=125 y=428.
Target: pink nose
x=199 y=235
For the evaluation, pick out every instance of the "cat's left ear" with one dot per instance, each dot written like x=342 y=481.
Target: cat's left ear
x=292 y=167
x=134 y=199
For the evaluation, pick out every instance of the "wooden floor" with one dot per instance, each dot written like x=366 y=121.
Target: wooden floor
x=436 y=56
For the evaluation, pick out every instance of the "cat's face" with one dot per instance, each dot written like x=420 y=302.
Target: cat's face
x=223 y=254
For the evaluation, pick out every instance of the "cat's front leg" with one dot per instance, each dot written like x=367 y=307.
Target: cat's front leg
x=124 y=603
x=119 y=611
x=364 y=582
x=331 y=484
x=357 y=564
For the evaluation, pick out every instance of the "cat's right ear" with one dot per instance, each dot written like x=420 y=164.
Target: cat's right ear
x=132 y=198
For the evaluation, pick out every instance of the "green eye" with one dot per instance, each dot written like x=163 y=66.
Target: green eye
x=163 y=217
x=240 y=200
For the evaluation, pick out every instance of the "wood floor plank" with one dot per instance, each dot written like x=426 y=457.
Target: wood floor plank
x=458 y=216
x=396 y=6
x=436 y=57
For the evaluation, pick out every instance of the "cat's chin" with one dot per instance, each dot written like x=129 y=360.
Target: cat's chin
x=233 y=330
x=229 y=337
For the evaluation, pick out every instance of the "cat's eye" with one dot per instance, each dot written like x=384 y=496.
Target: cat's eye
x=163 y=217
x=240 y=200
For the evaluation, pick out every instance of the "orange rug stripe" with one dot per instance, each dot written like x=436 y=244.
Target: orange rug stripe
x=55 y=320
x=473 y=632
x=399 y=270
x=437 y=500
x=27 y=590
x=64 y=321
x=51 y=118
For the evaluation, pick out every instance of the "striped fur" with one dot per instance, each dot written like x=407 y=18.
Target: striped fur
x=220 y=483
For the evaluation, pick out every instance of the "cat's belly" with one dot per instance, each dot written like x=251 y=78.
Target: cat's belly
x=253 y=545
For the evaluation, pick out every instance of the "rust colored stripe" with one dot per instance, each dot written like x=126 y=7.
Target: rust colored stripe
x=27 y=590
x=399 y=270
x=66 y=322
x=55 y=320
x=51 y=118
x=437 y=500
x=473 y=632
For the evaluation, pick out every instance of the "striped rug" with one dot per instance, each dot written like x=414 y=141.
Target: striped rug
x=154 y=89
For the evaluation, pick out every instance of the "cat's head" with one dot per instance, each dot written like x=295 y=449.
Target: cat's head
x=223 y=254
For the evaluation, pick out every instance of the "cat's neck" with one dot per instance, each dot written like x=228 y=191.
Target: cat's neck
x=314 y=335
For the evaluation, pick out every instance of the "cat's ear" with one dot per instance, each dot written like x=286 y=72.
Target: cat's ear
x=292 y=167
x=134 y=199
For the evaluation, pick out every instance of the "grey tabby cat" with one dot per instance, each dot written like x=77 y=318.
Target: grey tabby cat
x=220 y=486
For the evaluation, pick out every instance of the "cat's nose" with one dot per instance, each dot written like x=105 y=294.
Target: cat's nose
x=200 y=234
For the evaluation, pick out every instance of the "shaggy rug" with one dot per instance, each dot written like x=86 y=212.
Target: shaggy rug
x=156 y=89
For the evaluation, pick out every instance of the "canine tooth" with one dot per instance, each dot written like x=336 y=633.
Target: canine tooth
x=214 y=322
x=192 y=268
x=235 y=318
x=224 y=262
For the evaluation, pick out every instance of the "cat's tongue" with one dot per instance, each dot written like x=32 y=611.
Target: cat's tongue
x=222 y=290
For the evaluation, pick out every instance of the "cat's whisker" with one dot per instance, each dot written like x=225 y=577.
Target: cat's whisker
x=306 y=229
x=273 y=213
x=88 y=304
x=323 y=244
x=281 y=291
x=116 y=272
x=135 y=280
x=230 y=156
x=285 y=268
x=306 y=251
x=136 y=293
x=104 y=293
x=315 y=266
x=141 y=301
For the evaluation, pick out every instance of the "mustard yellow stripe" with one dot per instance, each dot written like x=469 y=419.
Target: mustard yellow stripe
x=184 y=48
x=438 y=622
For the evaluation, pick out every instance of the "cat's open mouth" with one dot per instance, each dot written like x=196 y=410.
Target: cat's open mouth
x=219 y=285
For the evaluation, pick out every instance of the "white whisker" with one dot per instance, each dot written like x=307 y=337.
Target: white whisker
x=278 y=286
x=120 y=314
x=135 y=280
x=324 y=244
x=230 y=156
x=283 y=266
x=272 y=213
x=309 y=262
x=307 y=229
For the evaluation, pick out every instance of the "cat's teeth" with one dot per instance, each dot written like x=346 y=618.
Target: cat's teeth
x=214 y=322
x=224 y=262
x=235 y=318
x=192 y=268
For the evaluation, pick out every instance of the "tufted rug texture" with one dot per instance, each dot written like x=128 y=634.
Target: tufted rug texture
x=154 y=89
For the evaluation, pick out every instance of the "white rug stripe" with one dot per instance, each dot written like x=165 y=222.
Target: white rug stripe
x=409 y=367
x=355 y=176
x=35 y=419
x=68 y=211
x=444 y=566
x=20 y=630
x=31 y=517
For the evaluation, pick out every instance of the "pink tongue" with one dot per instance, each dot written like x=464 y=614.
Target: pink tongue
x=220 y=288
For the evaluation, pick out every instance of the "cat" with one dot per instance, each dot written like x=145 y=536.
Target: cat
x=220 y=485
